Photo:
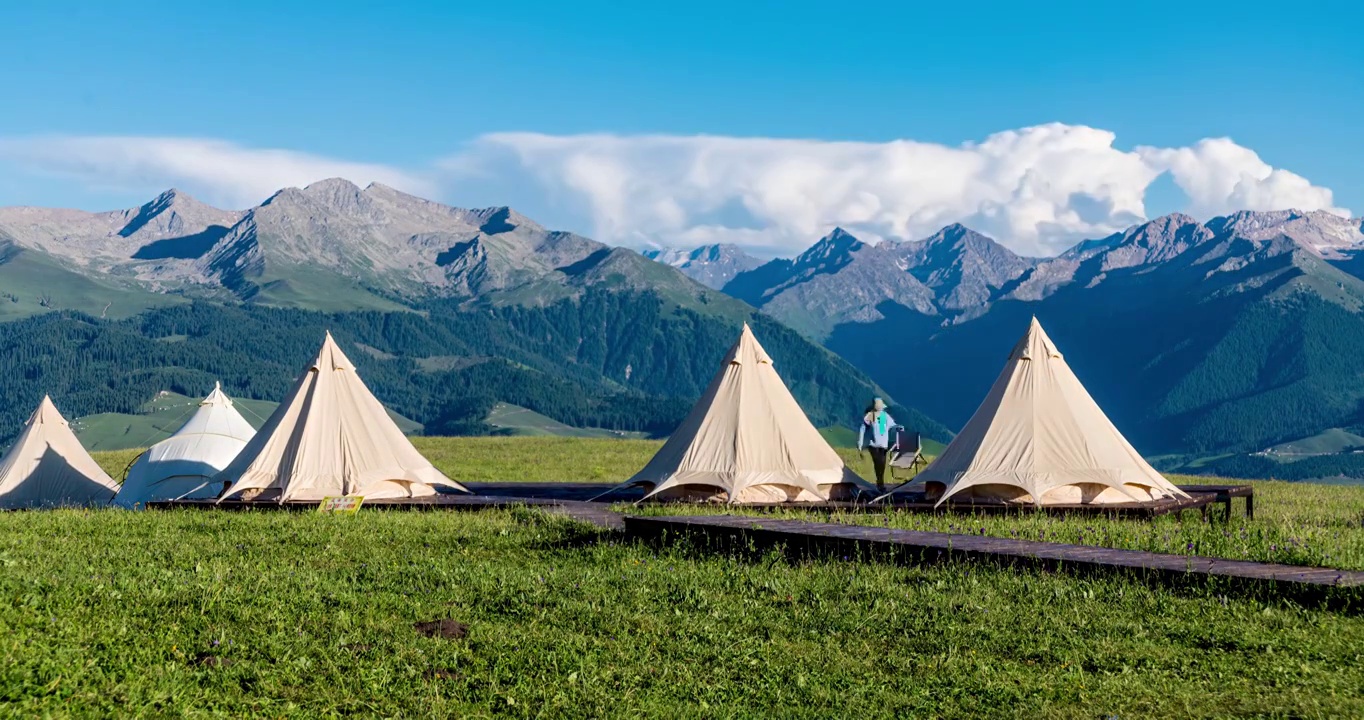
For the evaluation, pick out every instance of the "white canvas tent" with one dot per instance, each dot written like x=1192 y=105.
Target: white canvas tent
x=47 y=467
x=330 y=437
x=747 y=441
x=1040 y=438
x=182 y=466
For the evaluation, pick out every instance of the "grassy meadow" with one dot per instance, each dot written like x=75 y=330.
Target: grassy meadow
x=203 y=614
x=200 y=614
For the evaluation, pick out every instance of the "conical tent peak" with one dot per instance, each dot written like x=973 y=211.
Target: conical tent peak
x=330 y=357
x=216 y=397
x=47 y=412
x=747 y=349
x=1035 y=344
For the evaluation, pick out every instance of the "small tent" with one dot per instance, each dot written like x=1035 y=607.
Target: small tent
x=182 y=466
x=330 y=437
x=747 y=441
x=1040 y=438
x=47 y=467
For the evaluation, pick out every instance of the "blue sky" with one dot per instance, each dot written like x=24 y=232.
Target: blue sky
x=415 y=86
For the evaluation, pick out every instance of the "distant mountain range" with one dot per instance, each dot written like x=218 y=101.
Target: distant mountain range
x=330 y=246
x=1199 y=338
x=1229 y=335
x=447 y=311
x=711 y=265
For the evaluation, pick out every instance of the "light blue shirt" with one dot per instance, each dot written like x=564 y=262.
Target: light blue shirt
x=880 y=424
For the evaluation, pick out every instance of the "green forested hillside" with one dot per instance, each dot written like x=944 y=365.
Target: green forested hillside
x=618 y=360
x=1183 y=359
x=1312 y=468
x=33 y=283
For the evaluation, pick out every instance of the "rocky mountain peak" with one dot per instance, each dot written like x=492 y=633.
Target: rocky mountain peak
x=955 y=233
x=715 y=253
x=1166 y=232
x=174 y=214
x=1322 y=233
x=667 y=255
x=1153 y=241
x=957 y=239
x=494 y=220
x=1252 y=223
x=962 y=266
x=338 y=193
x=711 y=265
x=832 y=247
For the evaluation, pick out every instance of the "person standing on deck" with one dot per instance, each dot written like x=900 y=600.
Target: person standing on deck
x=875 y=437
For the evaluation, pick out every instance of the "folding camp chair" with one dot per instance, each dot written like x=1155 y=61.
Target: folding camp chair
x=906 y=456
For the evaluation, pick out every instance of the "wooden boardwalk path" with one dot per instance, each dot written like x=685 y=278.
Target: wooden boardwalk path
x=598 y=514
x=832 y=539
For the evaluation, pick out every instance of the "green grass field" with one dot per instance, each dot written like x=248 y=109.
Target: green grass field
x=197 y=614
x=193 y=613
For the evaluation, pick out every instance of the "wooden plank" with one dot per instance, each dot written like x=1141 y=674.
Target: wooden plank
x=909 y=544
x=597 y=514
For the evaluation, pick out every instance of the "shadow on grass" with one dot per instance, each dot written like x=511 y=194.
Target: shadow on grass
x=566 y=533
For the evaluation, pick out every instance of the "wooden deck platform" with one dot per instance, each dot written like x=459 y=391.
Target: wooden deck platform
x=837 y=540
x=1203 y=497
x=598 y=514
x=584 y=492
x=585 y=496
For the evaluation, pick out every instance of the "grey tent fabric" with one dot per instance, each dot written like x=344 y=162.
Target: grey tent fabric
x=331 y=437
x=747 y=440
x=47 y=467
x=1040 y=438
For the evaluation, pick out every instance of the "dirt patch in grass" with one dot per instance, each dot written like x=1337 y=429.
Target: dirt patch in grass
x=212 y=661
x=447 y=629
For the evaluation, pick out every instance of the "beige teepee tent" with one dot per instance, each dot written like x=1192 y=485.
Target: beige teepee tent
x=747 y=440
x=1040 y=438
x=182 y=466
x=330 y=437
x=47 y=467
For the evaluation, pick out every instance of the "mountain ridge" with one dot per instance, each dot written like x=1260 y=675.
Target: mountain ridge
x=711 y=265
x=462 y=309
x=1194 y=335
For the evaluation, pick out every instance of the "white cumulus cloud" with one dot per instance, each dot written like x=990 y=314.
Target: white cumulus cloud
x=1220 y=176
x=1037 y=189
x=219 y=171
